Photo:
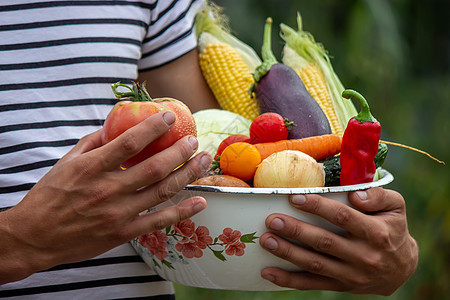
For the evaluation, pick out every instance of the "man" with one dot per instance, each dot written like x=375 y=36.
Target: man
x=67 y=208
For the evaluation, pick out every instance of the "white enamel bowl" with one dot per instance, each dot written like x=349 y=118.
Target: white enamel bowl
x=218 y=248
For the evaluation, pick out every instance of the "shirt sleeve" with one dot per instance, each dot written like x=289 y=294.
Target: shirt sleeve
x=170 y=34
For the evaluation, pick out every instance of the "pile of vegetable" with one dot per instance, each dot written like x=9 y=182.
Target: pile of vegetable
x=286 y=124
x=278 y=162
x=302 y=128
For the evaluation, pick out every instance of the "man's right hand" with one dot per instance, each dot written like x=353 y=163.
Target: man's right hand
x=86 y=204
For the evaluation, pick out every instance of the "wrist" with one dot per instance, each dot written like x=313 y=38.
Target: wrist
x=18 y=259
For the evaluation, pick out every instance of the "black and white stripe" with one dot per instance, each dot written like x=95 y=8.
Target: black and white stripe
x=120 y=272
x=57 y=62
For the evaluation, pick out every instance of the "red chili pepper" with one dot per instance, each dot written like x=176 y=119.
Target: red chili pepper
x=359 y=144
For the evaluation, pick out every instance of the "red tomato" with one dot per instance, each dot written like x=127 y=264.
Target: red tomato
x=231 y=140
x=126 y=114
x=269 y=127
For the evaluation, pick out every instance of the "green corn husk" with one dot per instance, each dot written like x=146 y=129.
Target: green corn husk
x=303 y=45
x=211 y=26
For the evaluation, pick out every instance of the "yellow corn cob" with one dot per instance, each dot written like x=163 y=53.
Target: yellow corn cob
x=229 y=78
x=316 y=85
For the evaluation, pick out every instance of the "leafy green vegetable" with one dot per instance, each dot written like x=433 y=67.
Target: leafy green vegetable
x=214 y=125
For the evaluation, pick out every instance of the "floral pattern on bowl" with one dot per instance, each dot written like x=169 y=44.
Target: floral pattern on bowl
x=184 y=241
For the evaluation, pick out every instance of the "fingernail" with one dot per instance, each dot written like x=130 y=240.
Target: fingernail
x=199 y=206
x=205 y=161
x=193 y=141
x=362 y=195
x=169 y=117
x=269 y=277
x=276 y=224
x=271 y=244
x=298 y=199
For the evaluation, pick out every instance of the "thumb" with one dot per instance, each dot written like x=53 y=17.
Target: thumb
x=377 y=199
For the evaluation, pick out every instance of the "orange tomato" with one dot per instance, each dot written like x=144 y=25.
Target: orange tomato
x=240 y=160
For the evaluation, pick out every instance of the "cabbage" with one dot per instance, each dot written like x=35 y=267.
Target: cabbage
x=214 y=125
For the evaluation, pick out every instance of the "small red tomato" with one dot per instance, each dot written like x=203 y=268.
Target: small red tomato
x=231 y=140
x=139 y=106
x=269 y=127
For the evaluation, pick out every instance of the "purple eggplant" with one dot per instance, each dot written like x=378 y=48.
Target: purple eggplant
x=279 y=89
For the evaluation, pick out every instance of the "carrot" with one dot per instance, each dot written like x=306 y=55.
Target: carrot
x=319 y=147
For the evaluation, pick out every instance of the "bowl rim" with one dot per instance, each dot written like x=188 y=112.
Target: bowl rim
x=386 y=178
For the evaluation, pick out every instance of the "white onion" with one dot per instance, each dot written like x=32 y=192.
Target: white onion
x=289 y=169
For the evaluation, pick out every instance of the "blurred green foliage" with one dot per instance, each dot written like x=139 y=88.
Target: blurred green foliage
x=397 y=54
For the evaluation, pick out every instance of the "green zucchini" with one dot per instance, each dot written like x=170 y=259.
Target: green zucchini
x=332 y=165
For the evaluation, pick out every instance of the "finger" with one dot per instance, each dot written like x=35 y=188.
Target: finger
x=377 y=199
x=157 y=220
x=319 y=239
x=339 y=214
x=132 y=141
x=302 y=280
x=176 y=181
x=305 y=259
x=160 y=165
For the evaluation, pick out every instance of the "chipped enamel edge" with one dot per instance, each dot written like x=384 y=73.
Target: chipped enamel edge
x=386 y=179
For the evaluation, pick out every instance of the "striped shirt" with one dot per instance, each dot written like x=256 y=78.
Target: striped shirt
x=58 y=60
